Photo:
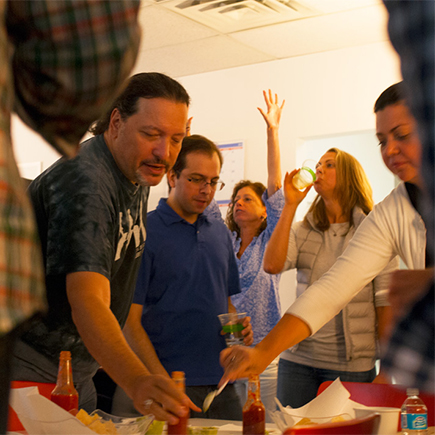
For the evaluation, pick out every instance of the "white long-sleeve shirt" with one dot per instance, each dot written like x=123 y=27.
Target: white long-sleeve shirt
x=393 y=228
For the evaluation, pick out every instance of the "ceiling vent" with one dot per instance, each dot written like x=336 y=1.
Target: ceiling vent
x=232 y=15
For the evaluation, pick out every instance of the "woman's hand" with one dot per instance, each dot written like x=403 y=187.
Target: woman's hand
x=292 y=195
x=239 y=362
x=247 y=332
x=273 y=114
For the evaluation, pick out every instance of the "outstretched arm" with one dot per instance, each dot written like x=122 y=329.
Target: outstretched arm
x=241 y=361
x=276 y=250
x=272 y=117
x=89 y=297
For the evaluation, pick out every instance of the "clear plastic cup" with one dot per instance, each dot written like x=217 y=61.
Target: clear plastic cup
x=232 y=325
x=306 y=175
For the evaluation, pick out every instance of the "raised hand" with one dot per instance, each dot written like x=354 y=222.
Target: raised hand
x=291 y=194
x=273 y=114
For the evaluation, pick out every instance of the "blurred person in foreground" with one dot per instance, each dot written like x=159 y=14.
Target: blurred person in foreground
x=394 y=227
x=347 y=345
x=411 y=355
x=58 y=83
x=91 y=214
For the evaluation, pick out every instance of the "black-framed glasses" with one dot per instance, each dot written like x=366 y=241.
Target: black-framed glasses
x=202 y=182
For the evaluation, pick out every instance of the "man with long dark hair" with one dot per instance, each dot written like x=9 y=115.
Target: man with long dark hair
x=91 y=213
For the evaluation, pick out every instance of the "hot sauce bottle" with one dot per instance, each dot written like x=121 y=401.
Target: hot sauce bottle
x=64 y=393
x=254 y=413
x=181 y=427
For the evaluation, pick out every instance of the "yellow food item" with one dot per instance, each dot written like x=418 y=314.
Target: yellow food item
x=96 y=423
x=85 y=418
x=156 y=428
x=304 y=422
x=307 y=422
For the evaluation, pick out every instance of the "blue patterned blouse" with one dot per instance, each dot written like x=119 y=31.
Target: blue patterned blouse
x=260 y=296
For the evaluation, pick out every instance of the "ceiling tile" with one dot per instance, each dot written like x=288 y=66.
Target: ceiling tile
x=180 y=46
x=210 y=54
x=323 y=33
x=162 y=27
x=328 y=6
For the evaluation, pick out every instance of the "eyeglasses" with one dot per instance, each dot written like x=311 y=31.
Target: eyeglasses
x=201 y=183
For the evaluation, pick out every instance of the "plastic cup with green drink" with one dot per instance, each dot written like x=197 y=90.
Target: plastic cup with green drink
x=232 y=326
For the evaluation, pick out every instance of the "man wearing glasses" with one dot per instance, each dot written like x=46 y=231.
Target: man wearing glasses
x=187 y=275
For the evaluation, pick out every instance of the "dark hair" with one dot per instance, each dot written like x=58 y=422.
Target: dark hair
x=143 y=85
x=195 y=144
x=259 y=189
x=393 y=95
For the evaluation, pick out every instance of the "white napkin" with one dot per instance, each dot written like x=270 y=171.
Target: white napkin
x=332 y=402
x=39 y=415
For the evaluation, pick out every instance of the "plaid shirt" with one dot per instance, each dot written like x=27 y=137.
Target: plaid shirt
x=410 y=357
x=69 y=60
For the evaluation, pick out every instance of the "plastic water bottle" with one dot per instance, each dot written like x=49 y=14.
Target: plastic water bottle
x=413 y=414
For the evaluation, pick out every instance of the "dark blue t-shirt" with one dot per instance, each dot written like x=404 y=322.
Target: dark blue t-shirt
x=187 y=273
x=90 y=218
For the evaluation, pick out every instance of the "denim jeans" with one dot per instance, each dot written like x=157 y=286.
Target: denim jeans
x=298 y=384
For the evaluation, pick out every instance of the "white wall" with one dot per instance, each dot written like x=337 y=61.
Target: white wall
x=327 y=95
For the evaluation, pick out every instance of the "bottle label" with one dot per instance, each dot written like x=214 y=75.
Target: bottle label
x=414 y=421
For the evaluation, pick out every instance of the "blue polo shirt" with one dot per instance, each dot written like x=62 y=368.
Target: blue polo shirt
x=187 y=273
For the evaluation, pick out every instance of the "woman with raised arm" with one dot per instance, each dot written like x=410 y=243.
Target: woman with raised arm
x=252 y=216
x=346 y=346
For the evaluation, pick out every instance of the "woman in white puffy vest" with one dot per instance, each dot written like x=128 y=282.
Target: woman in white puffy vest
x=346 y=346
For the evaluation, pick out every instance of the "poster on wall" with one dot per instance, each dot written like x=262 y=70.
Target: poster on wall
x=232 y=172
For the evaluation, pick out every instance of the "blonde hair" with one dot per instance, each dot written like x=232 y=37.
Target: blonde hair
x=352 y=189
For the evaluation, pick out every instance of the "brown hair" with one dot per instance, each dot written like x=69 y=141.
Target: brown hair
x=259 y=189
x=352 y=189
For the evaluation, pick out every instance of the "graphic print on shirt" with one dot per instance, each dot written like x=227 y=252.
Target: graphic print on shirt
x=127 y=229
